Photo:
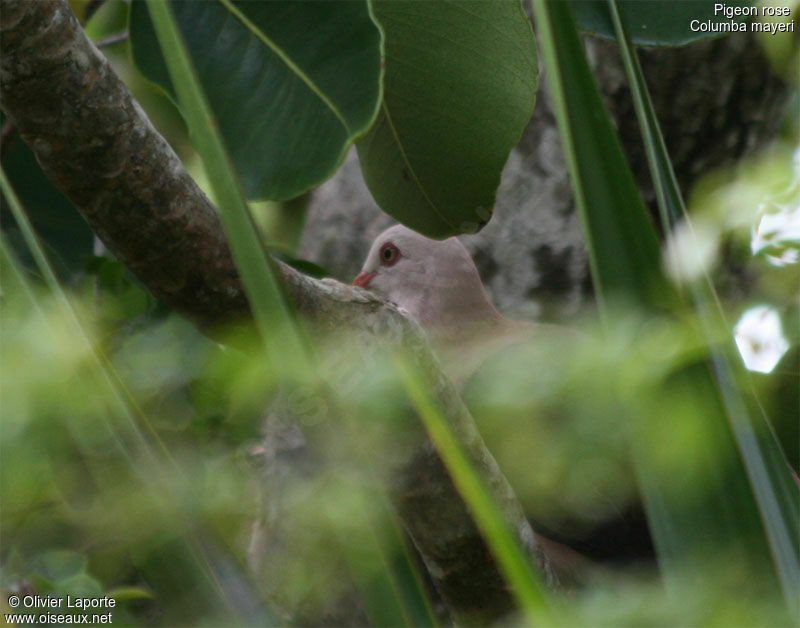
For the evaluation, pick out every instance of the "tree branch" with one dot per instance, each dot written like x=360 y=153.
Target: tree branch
x=97 y=145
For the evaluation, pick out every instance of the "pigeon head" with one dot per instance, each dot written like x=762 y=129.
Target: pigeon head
x=434 y=280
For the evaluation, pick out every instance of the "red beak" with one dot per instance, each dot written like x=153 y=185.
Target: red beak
x=363 y=278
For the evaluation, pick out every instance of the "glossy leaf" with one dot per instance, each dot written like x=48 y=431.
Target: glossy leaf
x=290 y=84
x=460 y=86
x=270 y=310
x=658 y=23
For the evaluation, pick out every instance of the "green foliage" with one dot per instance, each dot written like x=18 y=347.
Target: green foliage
x=62 y=229
x=460 y=86
x=277 y=330
x=451 y=110
x=623 y=248
x=136 y=444
x=657 y=23
x=763 y=460
x=254 y=63
x=730 y=508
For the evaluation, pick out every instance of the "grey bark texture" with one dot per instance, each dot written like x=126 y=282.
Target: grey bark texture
x=95 y=143
x=98 y=147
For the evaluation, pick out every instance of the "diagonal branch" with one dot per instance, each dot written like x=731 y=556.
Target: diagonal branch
x=97 y=145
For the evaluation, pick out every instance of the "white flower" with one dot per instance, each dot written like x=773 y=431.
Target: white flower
x=760 y=338
x=779 y=233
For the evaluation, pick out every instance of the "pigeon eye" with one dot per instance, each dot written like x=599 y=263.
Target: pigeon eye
x=389 y=254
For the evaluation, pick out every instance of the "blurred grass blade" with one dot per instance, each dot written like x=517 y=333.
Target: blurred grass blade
x=117 y=393
x=612 y=213
x=29 y=236
x=668 y=196
x=269 y=307
x=402 y=572
x=122 y=401
x=390 y=588
x=11 y=274
x=511 y=559
x=764 y=460
x=622 y=243
x=290 y=84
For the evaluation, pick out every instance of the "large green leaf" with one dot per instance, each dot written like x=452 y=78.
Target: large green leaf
x=460 y=86
x=660 y=22
x=290 y=84
x=270 y=310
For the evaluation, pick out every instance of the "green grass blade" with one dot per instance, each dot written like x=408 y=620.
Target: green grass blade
x=119 y=396
x=273 y=319
x=122 y=401
x=271 y=313
x=764 y=460
x=511 y=559
x=622 y=243
x=588 y=140
x=31 y=241
x=406 y=583
x=668 y=196
x=391 y=591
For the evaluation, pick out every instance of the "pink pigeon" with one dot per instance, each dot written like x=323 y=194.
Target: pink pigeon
x=437 y=283
x=433 y=280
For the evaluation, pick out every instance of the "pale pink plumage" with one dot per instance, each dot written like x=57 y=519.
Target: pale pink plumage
x=437 y=283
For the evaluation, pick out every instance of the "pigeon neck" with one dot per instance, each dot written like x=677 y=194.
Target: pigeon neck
x=456 y=319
